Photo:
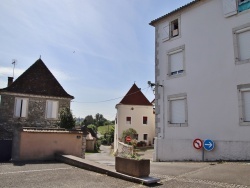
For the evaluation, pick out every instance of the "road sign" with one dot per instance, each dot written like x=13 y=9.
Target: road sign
x=208 y=145
x=128 y=138
x=197 y=143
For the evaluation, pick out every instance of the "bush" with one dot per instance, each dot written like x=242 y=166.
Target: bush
x=66 y=119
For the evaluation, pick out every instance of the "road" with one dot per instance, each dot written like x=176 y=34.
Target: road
x=172 y=174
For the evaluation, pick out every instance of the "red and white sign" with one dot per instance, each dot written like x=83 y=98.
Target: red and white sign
x=128 y=138
x=197 y=143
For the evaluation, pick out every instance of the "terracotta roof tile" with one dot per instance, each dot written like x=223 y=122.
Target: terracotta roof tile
x=37 y=80
x=135 y=97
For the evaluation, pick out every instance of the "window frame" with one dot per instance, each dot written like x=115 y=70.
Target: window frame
x=21 y=107
x=241 y=89
x=143 y=120
x=57 y=110
x=181 y=96
x=167 y=30
x=128 y=122
x=236 y=32
x=180 y=49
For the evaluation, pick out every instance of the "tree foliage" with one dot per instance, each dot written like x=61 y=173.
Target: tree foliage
x=66 y=119
x=88 y=120
x=129 y=132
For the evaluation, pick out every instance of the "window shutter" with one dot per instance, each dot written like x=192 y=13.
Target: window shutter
x=244 y=45
x=176 y=61
x=246 y=105
x=24 y=107
x=165 y=32
x=229 y=7
x=178 y=111
x=49 y=109
x=54 y=109
x=18 y=108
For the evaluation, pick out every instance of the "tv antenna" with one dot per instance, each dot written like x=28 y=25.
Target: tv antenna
x=14 y=61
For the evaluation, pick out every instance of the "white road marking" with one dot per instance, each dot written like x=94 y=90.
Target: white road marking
x=28 y=171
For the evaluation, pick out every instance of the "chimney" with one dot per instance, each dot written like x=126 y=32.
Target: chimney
x=10 y=81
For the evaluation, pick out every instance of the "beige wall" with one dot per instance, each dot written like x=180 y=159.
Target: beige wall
x=136 y=113
x=43 y=145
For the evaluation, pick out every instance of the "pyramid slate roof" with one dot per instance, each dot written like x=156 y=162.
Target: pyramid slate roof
x=135 y=97
x=37 y=80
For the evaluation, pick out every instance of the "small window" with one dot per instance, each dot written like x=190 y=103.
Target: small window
x=177 y=110
x=242 y=44
x=145 y=136
x=243 y=5
x=136 y=136
x=176 y=62
x=51 y=109
x=145 y=120
x=244 y=104
x=21 y=107
x=174 y=28
x=128 y=120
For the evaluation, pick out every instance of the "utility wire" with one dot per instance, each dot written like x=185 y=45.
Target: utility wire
x=113 y=98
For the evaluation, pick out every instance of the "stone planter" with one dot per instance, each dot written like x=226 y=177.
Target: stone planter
x=132 y=167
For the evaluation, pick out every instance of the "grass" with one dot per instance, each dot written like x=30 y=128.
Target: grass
x=103 y=129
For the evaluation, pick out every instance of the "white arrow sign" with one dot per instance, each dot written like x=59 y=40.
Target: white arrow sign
x=208 y=145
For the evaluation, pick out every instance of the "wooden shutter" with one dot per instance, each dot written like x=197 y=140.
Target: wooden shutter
x=165 y=32
x=18 y=108
x=178 y=114
x=229 y=7
x=54 y=109
x=244 y=45
x=21 y=106
x=24 y=107
x=176 y=61
x=246 y=105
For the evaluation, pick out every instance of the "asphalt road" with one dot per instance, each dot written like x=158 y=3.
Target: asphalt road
x=172 y=174
x=54 y=175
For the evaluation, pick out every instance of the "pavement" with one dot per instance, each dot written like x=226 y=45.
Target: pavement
x=171 y=174
x=186 y=174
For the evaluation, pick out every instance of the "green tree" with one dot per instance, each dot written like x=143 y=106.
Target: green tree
x=88 y=120
x=129 y=132
x=66 y=119
x=99 y=120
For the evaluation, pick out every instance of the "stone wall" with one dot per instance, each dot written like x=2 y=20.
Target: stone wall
x=36 y=113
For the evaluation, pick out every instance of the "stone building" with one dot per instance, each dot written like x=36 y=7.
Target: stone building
x=34 y=99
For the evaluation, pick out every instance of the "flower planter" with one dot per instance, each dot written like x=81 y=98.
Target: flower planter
x=132 y=167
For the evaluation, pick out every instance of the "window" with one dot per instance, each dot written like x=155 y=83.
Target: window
x=145 y=136
x=232 y=7
x=145 y=120
x=176 y=62
x=242 y=44
x=244 y=104
x=128 y=120
x=177 y=110
x=243 y=5
x=170 y=29
x=174 y=28
x=21 y=107
x=51 y=109
x=136 y=136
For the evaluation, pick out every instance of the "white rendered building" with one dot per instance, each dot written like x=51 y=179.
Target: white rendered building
x=135 y=111
x=202 y=59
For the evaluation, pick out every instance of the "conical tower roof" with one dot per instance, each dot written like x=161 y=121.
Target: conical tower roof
x=135 y=97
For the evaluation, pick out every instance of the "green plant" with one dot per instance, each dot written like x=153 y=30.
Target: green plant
x=66 y=119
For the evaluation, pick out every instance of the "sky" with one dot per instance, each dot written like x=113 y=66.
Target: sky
x=96 y=49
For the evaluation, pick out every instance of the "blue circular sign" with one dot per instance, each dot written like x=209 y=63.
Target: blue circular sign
x=208 y=145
